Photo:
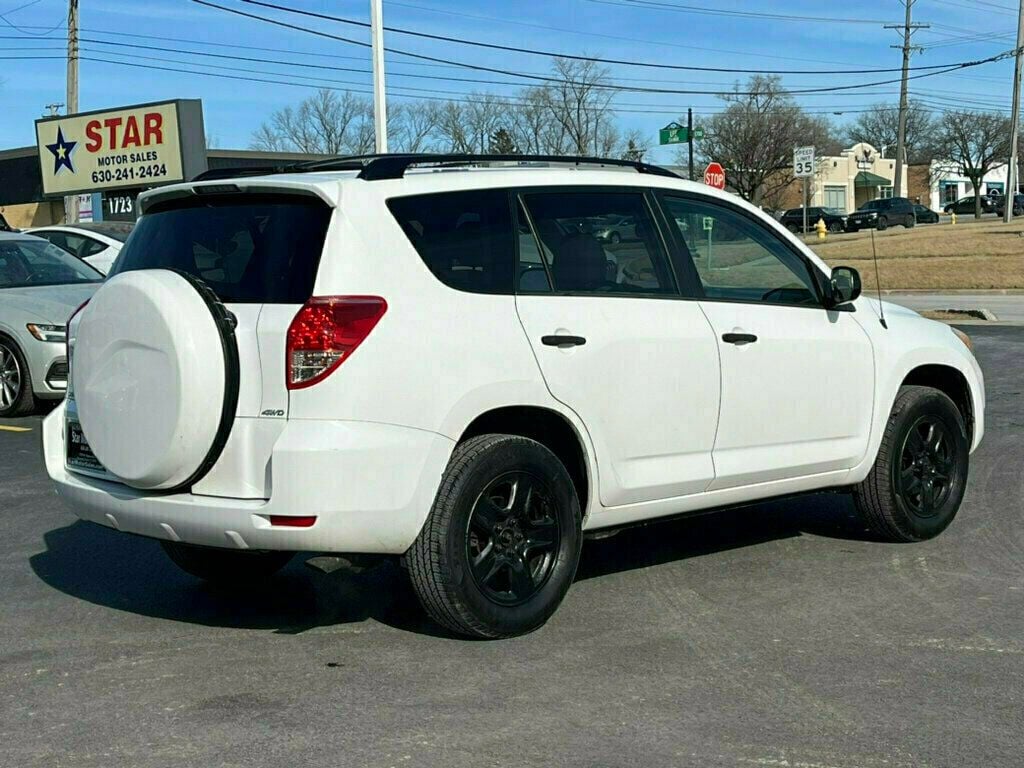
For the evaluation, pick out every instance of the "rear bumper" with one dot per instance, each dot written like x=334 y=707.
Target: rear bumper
x=370 y=486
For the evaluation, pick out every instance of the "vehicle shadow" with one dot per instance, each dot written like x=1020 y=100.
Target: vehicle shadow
x=131 y=573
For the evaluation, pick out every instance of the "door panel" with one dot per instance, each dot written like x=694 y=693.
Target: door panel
x=616 y=343
x=645 y=383
x=797 y=379
x=796 y=402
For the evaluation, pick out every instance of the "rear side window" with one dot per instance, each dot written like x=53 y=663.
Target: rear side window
x=464 y=238
x=248 y=248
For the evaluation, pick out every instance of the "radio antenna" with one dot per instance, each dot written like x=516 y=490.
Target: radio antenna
x=878 y=284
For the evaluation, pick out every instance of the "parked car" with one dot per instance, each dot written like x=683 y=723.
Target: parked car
x=925 y=215
x=94 y=243
x=1018 y=205
x=614 y=230
x=793 y=219
x=364 y=358
x=882 y=213
x=965 y=206
x=40 y=286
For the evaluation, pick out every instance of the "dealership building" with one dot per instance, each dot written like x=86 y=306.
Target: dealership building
x=107 y=158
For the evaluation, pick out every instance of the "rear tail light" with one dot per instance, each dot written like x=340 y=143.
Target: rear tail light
x=325 y=333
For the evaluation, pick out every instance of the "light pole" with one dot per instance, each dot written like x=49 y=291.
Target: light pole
x=380 y=110
x=71 y=202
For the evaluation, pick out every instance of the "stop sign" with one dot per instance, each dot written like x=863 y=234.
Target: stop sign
x=714 y=176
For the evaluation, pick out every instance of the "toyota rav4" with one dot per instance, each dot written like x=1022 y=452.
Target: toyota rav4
x=439 y=358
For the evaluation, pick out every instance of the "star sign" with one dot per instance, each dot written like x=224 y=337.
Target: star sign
x=62 y=152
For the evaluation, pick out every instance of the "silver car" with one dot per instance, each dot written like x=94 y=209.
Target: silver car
x=40 y=286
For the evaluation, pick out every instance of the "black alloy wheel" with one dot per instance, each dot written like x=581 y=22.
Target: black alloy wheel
x=919 y=477
x=499 y=549
x=927 y=464
x=512 y=538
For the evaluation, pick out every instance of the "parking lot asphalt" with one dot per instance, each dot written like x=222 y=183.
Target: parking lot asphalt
x=776 y=635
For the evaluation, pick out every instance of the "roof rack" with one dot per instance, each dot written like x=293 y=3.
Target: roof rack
x=393 y=166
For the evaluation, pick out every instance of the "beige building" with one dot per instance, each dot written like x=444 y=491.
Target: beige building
x=853 y=177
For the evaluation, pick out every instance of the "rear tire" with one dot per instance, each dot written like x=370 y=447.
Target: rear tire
x=835 y=227
x=16 y=396
x=919 y=477
x=225 y=566
x=909 y=222
x=500 y=548
x=793 y=228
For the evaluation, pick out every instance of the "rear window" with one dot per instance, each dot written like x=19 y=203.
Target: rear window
x=248 y=248
x=464 y=238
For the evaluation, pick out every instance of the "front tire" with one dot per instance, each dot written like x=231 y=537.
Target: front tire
x=225 y=566
x=500 y=548
x=883 y=223
x=919 y=477
x=16 y=397
x=835 y=227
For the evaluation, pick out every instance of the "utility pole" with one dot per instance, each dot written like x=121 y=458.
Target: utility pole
x=54 y=109
x=380 y=110
x=689 y=135
x=1011 y=172
x=908 y=29
x=71 y=202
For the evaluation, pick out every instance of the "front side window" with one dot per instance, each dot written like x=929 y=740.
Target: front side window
x=464 y=238
x=597 y=243
x=737 y=259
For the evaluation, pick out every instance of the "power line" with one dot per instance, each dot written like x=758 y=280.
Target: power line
x=553 y=54
x=680 y=8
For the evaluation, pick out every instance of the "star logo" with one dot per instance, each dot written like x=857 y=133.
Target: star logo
x=62 y=152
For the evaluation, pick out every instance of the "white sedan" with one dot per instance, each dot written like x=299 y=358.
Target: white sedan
x=97 y=244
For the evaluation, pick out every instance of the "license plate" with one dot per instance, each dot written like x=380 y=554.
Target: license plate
x=79 y=453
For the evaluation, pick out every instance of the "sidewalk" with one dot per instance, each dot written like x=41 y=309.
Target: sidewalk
x=1006 y=305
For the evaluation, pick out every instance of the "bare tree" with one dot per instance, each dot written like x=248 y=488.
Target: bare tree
x=972 y=143
x=581 y=105
x=879 y=127
x=328 y=122
x=754 y=137
x=533 y=127
x=416 y=129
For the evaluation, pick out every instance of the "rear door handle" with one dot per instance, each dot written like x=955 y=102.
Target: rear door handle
x=739 y=338
x=563 y=341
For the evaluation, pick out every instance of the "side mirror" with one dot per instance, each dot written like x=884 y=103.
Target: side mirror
x=844 y=286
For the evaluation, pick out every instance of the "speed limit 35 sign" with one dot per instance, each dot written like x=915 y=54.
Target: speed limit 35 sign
x=803 y=162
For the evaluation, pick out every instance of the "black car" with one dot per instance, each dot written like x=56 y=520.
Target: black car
x=1018 y=205
x=882 y=213
x=793 y=219
x=965 y=206
x=925 y=215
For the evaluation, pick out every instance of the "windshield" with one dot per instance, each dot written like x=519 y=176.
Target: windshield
x=835 y=211
x=29 y=263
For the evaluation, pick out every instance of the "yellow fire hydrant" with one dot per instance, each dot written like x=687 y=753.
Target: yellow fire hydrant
x=821 y=228
x=952 y=217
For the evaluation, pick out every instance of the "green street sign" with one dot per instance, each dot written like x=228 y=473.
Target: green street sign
x=678 y=134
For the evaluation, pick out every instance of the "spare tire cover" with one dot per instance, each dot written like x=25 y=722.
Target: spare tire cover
x=155 y=377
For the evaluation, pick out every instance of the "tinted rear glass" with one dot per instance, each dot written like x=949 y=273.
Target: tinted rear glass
x=465 y=238
x=247 y=248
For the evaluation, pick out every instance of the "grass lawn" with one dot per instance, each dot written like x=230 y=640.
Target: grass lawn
x=970 y=254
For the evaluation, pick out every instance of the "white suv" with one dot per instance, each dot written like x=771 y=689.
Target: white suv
x=442 y=358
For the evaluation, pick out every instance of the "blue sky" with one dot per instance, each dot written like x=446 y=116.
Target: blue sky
x=663 y=31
